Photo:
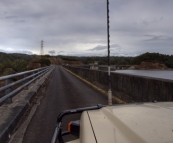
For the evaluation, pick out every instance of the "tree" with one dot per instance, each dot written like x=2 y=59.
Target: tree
x=44 y=62
x=20 y=65
x=1 y=68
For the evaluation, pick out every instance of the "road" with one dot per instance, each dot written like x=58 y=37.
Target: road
x=64 y=91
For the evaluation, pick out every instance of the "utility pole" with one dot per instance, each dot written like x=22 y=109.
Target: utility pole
x=41 y=50
x=108 y=42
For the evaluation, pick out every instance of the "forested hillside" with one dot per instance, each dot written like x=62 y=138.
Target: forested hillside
x=101 y=60
x=12 y=57
x=13 y=63
x=155 y=58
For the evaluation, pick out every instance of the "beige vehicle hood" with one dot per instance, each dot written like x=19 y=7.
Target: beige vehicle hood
x=131 y=123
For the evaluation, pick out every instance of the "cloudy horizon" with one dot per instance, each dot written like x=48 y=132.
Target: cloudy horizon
x=78 y=27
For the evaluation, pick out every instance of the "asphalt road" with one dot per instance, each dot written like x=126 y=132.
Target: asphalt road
x=64 y=91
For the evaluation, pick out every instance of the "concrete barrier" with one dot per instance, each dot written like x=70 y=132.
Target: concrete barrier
x=136 y=88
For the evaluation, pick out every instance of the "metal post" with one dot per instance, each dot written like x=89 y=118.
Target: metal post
x=26 y=87
x=9 y=100
x=108 y=42
x=33 y=77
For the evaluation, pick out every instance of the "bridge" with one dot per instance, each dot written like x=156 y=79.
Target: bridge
x=28 y=112
x=29 y=115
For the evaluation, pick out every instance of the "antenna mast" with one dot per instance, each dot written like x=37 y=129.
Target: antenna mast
x=41 y=50
x=109 y=77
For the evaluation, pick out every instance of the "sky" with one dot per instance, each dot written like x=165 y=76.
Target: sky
x=79 y=27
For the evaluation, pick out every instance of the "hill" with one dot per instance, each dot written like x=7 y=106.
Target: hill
x=114 y=60
x=151 y=65
x=47 y=60
x=14 y=56
x=13 y=63
x=153 y=59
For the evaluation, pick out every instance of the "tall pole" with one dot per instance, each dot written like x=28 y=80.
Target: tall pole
x=108 y=42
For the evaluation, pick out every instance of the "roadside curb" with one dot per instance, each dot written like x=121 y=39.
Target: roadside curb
x=96 y=87
x=11 y=114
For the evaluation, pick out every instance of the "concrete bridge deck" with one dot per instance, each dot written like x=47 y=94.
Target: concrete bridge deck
x=63 y=91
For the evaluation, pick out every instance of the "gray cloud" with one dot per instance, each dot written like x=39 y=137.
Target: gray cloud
x=52 y=52
x=100 y=47
x=81 y=25
x=158 y=38
x=153 y=37
x=16 y=51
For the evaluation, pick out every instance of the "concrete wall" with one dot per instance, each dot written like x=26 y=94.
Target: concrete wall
x=137 y=88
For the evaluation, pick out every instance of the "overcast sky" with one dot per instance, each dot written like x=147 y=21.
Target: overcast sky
x=78 y=27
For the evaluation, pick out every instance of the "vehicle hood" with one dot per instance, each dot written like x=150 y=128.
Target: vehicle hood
x=136 y=123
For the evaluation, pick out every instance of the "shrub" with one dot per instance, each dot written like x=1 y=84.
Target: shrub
x=44 y=62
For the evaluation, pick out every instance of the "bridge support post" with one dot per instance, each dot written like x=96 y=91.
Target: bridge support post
x=26 y=87
x=109 y=97
x=9 y=100
x=33 y=77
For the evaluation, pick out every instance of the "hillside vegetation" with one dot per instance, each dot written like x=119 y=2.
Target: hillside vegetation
x=101 y=60
x=13 y=63
x=12 y=57
x=154 y=58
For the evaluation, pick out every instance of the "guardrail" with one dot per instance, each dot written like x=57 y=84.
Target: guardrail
x=24 y=79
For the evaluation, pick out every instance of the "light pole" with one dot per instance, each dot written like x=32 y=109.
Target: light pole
x=108 y=42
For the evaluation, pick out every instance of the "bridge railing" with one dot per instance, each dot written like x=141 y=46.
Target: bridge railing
x=22 y=81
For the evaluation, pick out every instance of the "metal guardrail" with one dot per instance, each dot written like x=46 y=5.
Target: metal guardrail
x=28 y=78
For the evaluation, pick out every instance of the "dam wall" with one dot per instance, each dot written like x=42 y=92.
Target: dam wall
x=131 y=87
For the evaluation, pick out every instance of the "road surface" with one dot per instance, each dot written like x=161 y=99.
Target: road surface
x=64 y=91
